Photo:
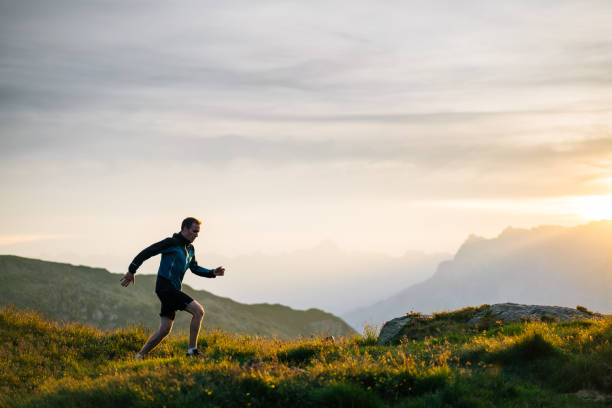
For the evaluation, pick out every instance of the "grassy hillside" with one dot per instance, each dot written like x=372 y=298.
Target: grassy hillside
x=518 y=365
x=94 y=296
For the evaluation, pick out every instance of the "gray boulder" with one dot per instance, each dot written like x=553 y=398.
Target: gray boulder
x=513 y=312
x=391 y=329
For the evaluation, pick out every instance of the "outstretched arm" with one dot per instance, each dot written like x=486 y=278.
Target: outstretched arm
x=145 y=254
x=150 y=251
x=207 y=273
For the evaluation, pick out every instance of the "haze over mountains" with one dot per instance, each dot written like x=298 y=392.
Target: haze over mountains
x=325 y=277
x=320 y=276
x=549 y=265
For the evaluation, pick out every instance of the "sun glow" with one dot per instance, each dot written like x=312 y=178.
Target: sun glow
x=596 y=207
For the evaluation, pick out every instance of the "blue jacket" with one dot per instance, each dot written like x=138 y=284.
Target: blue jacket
x=177 y=256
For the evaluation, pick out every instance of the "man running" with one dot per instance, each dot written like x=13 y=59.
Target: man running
x=177 y=255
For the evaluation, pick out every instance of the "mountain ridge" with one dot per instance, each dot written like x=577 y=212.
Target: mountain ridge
x=93 y=295
x=553 y=265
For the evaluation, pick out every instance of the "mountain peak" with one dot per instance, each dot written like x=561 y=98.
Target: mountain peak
x=551 y=265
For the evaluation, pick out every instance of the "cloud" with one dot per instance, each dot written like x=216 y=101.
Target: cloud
x=63 y=56
x=417 y=166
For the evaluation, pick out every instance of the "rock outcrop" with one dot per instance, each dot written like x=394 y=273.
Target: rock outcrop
x=483 y=317
x=513 y=312
x=392 y=329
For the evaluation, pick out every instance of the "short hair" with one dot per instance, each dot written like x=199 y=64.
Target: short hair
x=189 y=221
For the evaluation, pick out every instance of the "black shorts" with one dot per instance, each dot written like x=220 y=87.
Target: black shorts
x=171 y=298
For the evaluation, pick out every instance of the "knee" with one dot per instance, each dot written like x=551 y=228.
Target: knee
x=199 y=312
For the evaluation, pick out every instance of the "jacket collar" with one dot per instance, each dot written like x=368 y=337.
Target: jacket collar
x=180 y=239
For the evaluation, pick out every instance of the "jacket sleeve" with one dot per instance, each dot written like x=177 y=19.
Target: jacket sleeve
x=198 y=270
x=150 y=251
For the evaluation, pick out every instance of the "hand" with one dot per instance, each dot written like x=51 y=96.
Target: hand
x=127 y=278
x=220 y=271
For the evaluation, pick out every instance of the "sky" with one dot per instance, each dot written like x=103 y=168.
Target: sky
x=384 y=127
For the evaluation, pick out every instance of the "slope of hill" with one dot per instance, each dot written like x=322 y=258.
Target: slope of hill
x=565 y=266
x=91 y=295
x=519 y=365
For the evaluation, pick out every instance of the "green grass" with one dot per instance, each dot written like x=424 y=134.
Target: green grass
x=45 y=364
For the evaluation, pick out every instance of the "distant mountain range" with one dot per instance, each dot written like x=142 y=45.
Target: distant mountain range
x=564 y=266
x=324 y=276
x=94 y=296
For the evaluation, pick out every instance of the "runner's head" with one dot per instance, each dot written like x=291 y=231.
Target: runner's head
x=190 y=228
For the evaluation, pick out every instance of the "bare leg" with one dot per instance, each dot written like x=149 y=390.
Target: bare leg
x=164 y=329
x=197 y=311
